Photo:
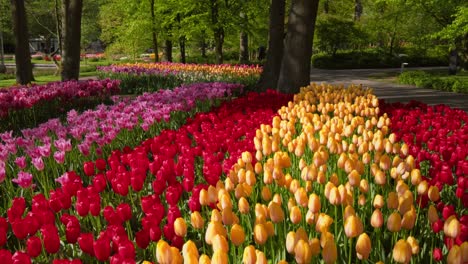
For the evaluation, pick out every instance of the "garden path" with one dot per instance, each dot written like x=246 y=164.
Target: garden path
x=388 y=91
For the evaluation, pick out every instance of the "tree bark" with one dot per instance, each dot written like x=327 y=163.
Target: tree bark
x=326 y=7
x=218 y=31
x=357 y=10
x=296 y=65
x=2 y=55
x=271 y=69
x=168 y=50
x=71 y=26
x=243 y=40
x=153 y=32
x=24 y=73
x=182 y=49
x=453 y=61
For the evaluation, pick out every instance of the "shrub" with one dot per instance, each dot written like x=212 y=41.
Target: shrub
x=427 y=80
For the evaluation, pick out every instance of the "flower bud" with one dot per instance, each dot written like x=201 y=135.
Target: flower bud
x=394 y=222
x=377 y=219
x=402 y=252
x=452 y=227
x=276 y=212
x=260 y=234
x=180 y=227
x=363 y=246
x=237 y=235
x=353 y=226
x=249 y=256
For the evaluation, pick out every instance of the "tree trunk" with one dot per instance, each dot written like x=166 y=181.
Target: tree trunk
x=296 y=65
x=182 y=49
x=2 y=55
x=218 y=31
x=271 y=69
x=326 y=7
x=168 y=50
x=357 y=10
x=71 y=26
x=24 y=73
x=153 y=32
x=453 y=61
x=244 y=40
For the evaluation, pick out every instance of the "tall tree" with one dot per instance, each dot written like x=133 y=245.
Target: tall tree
x=153 y=32
x=357 y=10
x=24 y=73
x=244 y=39
x=218 y=30
x=271 y=69
x=296 y=64
x=2 y=58
x=71 y=26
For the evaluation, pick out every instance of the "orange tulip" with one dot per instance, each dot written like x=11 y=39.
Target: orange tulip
x=402 y=252
x=432 y=214
x=260 y=234
x=219 y=243
x=249 y=256
x=433 y=193
x=353 y=226
x=291 y=241
x=189 y=248
x=363 y=246
x=261 y=258
x=219 y=257
x=377 y=219
x=414 y=245
x=295 y=215
x=180 y=227
x=197 y=220
x=314 y=244
x=302 y=252
x=378 y=201
x=323 y=222
x=329 y=251
x=237 y=235
x=392 y=200
x=244 y=207
x=314 y=203
x=452 y=227
x=394 y=222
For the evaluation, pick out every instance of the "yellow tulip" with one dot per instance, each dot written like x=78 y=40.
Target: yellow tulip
x=363 y=246
x=455 y=255
x=433 y=193
x=302 y=252
x=432 y=214
x=214 y=228
x=402 y=252
x=276 y=213
x=291 y=241
x=220 y=257
x=270 y=228
x=219 y=243
x=409 y=219
x=175 y=257
x=414 y=245
x=329 y=252
x=323 y=222
x=452 y=227
x=249 y=256
x=266 y=193
x=180 y=227
x=237 y=235
x=353 y=226
x=394 y=222
x=189 y=248
x=349 y=211
x=378 y=201
x=260 y=234
x=204 y=259
x=314 y=244
x=197 y=220
x=261 y=258
x=163 y=252
x=301 y=197
x=243 y=205
x=314 y=203
x=295 y=215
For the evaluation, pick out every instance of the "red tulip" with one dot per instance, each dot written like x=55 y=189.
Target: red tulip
x=17 y=209
x=102 y=248
x=448 y=211
x=127 y=250
x=5 y=257
x=20 y=228
x=168 y=231
x=438 y=226
x=3 y=236
x=34 y=246
x=50 y=238
x=85 y=241
x=142 y=238
x=21 y=258
x=155 y=233
x=124 y=211
x=88 y=168
x=101 y=164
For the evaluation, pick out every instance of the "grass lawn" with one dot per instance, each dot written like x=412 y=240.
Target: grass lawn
x=41 y=76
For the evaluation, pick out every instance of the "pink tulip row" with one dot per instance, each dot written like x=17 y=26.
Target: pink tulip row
x=94 y=129
x=17 y=98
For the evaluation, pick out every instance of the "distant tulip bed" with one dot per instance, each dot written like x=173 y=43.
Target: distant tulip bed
x=28 y=106
x=193 y=175
x=148 y=77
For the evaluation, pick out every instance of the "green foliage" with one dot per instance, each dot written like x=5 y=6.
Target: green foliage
x=335 y=33
x=372 y=59
x=424 y=79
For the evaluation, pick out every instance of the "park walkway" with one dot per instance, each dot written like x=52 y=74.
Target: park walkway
x=390 y=92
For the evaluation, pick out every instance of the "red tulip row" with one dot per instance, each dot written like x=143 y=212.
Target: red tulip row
x=437 y=136
x=144 y=188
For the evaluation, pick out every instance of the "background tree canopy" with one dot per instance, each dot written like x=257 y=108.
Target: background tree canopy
x=419 y=28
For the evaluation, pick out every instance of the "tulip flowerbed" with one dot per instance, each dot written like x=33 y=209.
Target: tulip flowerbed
x=332 y=176
x=26 y=106
x=146 y=77
x=54 y=147
x=124 y=198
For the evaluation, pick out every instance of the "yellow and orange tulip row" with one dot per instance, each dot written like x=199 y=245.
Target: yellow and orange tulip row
x=328 y=182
